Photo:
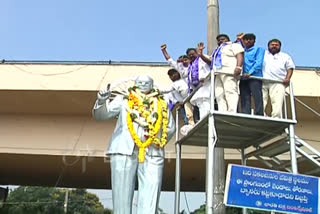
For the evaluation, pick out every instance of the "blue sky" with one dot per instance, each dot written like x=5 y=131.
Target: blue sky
x=134 y=30
x=129 y=30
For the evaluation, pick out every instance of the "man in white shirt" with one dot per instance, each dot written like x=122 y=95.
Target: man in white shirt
x=198 y=70
x=180 y=92
x=279 y=66
x=228 y=59
x=181 y=65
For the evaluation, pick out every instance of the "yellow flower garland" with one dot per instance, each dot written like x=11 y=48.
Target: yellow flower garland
x=136 y=102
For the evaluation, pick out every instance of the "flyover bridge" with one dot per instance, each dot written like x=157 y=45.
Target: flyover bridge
x=48 y=138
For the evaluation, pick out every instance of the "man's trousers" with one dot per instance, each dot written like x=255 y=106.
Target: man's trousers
x=204 y=106
x=124 y=171
x=227 y=93
x=276 y=92
x=250 y=87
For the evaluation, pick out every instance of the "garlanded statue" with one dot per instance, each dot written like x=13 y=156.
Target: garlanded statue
x=136 y=149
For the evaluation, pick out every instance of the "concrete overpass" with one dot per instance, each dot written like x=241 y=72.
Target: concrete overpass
x=47 y=135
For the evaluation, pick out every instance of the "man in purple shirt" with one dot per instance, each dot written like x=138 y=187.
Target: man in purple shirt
x=252 y=66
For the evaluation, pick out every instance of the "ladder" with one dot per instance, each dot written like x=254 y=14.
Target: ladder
x=271 y=152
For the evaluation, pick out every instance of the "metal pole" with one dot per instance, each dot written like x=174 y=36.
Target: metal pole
x=212 y=139
x=178 y=168
x=244 y=163
x=308 y=107
x=285 y=107
x=218 y=170
x=243 y=157
x=65 y=205
x=210 y=170
x=293 y=154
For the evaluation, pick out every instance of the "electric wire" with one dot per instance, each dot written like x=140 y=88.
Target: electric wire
x=185 y=197
x=65 y=163
x=48 y=74
x=103 y=77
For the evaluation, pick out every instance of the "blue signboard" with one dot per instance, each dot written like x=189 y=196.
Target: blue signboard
x=271 y=190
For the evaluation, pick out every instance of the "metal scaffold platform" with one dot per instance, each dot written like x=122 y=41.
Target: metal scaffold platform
x=237 y=131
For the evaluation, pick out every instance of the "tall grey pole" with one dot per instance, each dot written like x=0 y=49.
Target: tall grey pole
x=213 y=24
x=293 y=154
x=219 y=162
x=178 y=168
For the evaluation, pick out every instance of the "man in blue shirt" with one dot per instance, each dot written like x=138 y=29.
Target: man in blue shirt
x=252 y=66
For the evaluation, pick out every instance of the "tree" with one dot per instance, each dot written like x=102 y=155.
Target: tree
x=230 y=210
x=201 y=210
x=160 y=211
x=39 y=200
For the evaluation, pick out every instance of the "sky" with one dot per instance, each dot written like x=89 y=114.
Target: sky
x=94 y=30
x=134 y=30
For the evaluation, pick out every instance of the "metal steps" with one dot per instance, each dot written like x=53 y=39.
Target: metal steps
x=308 y=158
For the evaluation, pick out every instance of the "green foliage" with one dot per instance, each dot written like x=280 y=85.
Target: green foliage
x=160 y=211
x=230 y=210
x=201 y=210
x=40 y=200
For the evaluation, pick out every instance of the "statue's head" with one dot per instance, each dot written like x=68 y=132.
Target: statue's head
x=145 y=83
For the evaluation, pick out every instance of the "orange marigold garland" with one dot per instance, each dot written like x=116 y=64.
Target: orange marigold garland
x=153 y=111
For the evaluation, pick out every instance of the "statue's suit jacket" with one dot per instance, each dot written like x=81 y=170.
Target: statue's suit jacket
x=121 y=140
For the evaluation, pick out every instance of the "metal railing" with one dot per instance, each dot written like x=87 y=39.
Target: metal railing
x=285 y=108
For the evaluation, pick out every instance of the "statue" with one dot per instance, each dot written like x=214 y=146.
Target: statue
x=136 y=148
